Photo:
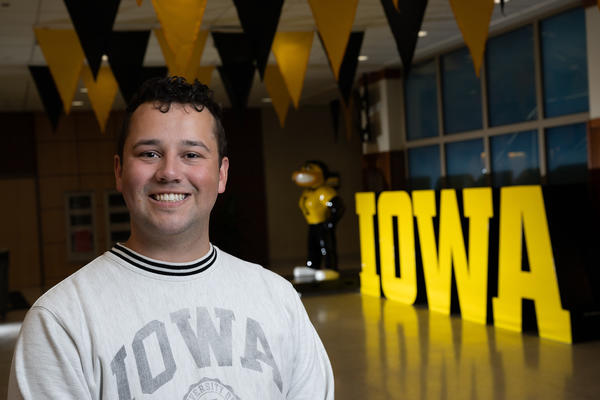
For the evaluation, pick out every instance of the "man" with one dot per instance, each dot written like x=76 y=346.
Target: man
x=167 y=315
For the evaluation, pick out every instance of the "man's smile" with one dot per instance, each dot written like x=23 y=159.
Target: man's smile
x=169 y=197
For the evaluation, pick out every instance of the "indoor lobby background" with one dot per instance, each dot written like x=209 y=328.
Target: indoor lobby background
x=532 y=117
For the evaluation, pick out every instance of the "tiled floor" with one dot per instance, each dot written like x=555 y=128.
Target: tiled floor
x=384 y=350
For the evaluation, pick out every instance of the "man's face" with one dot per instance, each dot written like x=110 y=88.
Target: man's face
x=170 y=175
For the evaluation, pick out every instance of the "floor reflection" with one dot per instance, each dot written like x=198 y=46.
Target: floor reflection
x=385 y=350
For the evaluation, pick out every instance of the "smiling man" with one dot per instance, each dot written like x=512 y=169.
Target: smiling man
x=167 y=315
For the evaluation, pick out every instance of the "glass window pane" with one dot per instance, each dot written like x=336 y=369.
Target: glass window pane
x=465 y=163
x=566 y=153
x=424 y=167
x=511 y=77
x=461 y=93
x=420 y=97
x=564 y=63
x=515 y=159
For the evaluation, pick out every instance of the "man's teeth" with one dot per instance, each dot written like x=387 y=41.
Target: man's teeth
x=169 y=197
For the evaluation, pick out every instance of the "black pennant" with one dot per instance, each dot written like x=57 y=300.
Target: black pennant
x=126 y=51
x=334 y=109
x=405 y=23
x=48 y=93
x=259 y=24
x=349 y=64
x=93 y=21
x=237 y=69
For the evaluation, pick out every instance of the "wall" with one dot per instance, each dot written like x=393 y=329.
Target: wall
x=18 y=204
x=308 y=134
x=77 y=157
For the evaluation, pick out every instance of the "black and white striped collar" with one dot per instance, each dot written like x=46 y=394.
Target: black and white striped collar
x=165 y=268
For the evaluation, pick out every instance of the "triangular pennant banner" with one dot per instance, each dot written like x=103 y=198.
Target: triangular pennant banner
x=292 y=50
x=101 y=92
x=233 y=48
x=126 y=51
x=348 y=68
x=204 y=74
x=152 y=72
x=48 y=93
x=473 y=18
x=237 y=70
x=334 y=20
x=260 y=25
x=276 y=88
x=64 y=57
x=93 y=20
x=180 y=21
x=237 y=79
x=348 y=109
x=405 y=18
x=334 y=108
x=188 y=70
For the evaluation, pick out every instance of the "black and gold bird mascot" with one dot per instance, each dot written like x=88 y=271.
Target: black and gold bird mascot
x=322 y=208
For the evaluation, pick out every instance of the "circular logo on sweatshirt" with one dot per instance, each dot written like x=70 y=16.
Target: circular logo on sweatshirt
x=210 y=389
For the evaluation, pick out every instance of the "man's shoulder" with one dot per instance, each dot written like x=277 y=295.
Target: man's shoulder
x=250 y=270
x=65 y=291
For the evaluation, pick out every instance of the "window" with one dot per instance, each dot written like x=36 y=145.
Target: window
x=461 y=93
x=465 y=163
x=421 y=102
x=564 y=62
x=81 y=242
x=566 y=152
x=511 y=77
x=117 y=218
x=424 y=167
x=515 y=159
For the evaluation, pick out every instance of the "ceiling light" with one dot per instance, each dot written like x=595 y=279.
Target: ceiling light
x=498 y=1
x=104 y=57
x=83 y=90
x=267 y=100
x=422 y=33
x=363 y=58
x=77 y=103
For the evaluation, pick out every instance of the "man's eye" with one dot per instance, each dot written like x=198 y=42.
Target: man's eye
x=149 y=154
x=192 y=155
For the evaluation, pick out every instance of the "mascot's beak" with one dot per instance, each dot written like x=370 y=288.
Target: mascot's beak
x=302 y=178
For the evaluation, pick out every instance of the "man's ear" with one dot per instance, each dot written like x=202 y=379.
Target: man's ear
x=118 y=167
x=223 y=171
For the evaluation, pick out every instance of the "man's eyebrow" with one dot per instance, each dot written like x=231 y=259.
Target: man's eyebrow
x=147 y=142
x=195 y=143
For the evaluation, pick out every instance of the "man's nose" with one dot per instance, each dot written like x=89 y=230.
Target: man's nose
x=169 y=169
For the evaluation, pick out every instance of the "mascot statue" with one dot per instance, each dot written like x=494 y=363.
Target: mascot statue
x=322 y=208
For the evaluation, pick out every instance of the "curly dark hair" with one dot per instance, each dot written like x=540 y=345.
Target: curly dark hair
x=174 y=89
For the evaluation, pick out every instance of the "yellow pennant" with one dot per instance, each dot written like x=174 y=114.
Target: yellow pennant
x=176 y=65
x=101 y=92
x=180 y=21
x=395 y=4
x=473 y=18
x=204 y=74
x=280 y=97
x=64 y=57
x=292 y=50
x=139 y=2
x=334 y=20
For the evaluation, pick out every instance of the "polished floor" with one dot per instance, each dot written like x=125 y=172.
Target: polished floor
x=384 y=350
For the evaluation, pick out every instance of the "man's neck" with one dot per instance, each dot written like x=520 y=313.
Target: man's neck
x=175 y=250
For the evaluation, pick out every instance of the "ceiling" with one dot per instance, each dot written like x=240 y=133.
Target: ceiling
x=18 y=47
